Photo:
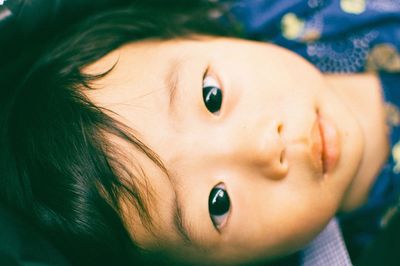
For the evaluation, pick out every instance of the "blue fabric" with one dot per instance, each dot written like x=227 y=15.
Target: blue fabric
x=342 y=36
x=336 y=36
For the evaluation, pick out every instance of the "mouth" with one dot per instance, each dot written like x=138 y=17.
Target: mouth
x=325 y=144
x=327 y=149
x=317 y=146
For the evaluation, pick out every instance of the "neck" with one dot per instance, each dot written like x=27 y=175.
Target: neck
x=363 y=96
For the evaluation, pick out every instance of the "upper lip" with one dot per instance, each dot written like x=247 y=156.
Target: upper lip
x=317 y=145
x=330 y=139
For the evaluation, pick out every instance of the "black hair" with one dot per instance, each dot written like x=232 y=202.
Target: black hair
x=57 y=167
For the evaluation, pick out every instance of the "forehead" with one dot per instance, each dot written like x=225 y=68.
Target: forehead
x=142 y=80
x=138 y=92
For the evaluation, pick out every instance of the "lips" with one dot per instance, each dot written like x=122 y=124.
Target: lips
x=325 y=148
x=317 y=145
x=330 y=143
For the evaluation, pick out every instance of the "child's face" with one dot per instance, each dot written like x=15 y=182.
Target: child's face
x=260 y=146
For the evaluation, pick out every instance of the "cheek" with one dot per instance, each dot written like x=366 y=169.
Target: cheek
x=296 y=225
x=301 y=212
x=277 y=219
x=304 y=218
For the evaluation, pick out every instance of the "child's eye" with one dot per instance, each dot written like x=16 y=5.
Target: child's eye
x=219 y=206
x=212 y=94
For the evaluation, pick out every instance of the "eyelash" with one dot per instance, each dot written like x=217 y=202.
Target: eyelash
x=219 y=206
x=212 y=93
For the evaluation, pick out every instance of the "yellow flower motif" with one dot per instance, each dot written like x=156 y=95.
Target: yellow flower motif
x=291 y=26
x=384 y=57
x=353 y=6
x=392 y=114
x=311 y=35
x=396 y=157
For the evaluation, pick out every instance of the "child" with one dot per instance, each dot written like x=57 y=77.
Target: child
x=136 y=133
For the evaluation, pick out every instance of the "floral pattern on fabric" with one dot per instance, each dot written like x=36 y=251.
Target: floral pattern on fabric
x=336 y=36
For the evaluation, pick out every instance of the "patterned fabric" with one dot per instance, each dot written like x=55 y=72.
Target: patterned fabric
x=336 y=36
x=327 y=248
x=342 y=36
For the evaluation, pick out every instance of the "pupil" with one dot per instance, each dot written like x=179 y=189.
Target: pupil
x=212 y=98
x=219 y=202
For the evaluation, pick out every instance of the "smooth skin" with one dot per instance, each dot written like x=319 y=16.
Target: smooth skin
x=260 y=145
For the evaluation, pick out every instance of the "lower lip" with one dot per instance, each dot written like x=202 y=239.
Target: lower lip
x=330 y=144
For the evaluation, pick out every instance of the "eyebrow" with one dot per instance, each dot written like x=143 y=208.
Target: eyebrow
x=179 y=222
x=171 y=81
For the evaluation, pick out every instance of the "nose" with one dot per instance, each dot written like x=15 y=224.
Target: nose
x=262 y=147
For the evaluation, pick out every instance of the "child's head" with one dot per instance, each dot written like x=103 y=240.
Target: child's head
x=236 y=125
x=207 y=148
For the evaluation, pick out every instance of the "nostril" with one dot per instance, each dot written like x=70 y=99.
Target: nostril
x=283 y=167
x=282 y=157
x=280 y=128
